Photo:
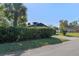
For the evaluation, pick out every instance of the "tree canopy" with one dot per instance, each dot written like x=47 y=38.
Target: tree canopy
x=15 y=13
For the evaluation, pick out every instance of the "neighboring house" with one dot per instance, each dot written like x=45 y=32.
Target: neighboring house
x=72 y=29
x=37 y=24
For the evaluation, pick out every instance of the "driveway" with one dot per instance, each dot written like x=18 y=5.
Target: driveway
x=70 y=48
x=66 y=37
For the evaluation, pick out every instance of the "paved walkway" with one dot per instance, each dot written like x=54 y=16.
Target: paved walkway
x=70 y=48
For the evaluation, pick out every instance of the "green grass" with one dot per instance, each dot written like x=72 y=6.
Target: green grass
x=25 y=45
x=72 y=34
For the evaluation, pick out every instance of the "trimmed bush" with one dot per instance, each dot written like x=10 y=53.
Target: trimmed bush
x=12 y=34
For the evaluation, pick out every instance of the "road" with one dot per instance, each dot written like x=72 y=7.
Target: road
x=69 y=48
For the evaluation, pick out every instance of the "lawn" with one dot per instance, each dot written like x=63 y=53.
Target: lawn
x=72 y=34
x=25 y=45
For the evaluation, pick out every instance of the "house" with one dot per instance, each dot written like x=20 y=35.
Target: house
x=37 y=24
x=72 y=29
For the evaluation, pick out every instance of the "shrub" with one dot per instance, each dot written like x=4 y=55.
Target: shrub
x=8 y=34
x=12 y=34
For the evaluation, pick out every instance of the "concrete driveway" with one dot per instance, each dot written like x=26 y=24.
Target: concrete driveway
x=69 y=48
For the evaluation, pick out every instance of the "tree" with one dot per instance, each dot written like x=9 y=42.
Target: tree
x=74 y=24
x=3 y=21
x=16 y=12
x=56 y=28
x=65 y=23
x=63 y=26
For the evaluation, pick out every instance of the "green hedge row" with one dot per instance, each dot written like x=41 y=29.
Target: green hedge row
x=12 y=34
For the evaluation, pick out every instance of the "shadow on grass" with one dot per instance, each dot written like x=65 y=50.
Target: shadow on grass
x=17 y=48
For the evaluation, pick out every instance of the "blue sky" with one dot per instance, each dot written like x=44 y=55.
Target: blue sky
x=51 y=13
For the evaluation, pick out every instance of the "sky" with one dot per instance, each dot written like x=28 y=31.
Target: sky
x=52 y=13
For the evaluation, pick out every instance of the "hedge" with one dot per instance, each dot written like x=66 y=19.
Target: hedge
x=12 y=34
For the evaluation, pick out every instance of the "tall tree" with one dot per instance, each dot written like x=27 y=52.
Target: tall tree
x=66 y=23
x=63 y=26
x=3 y=21
x=15 y=12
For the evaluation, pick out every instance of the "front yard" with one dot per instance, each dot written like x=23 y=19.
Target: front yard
x=25 y=45
x=74 y=34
